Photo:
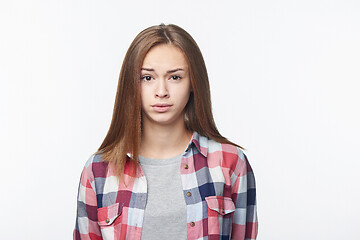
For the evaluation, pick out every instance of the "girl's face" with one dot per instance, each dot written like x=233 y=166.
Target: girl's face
x=165 y=85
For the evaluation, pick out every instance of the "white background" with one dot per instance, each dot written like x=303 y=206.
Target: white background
x=285 y=85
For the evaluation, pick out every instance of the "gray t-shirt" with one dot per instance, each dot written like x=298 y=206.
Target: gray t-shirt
x=165 y=211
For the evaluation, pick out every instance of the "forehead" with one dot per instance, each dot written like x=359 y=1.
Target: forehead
x=165 y=56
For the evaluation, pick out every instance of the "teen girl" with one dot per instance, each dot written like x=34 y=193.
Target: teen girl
x=164 y=171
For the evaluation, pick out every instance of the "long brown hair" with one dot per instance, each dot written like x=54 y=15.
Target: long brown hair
x=124 y=134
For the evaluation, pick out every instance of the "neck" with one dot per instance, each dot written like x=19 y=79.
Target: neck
x=164 y=141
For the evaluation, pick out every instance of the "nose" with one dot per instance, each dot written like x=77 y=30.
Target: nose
x=161 y=89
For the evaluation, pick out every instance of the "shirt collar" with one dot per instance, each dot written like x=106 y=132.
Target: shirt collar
x=200 y=142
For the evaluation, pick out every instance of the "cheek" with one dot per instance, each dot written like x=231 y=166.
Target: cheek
x=185 y=95
x=144 y=97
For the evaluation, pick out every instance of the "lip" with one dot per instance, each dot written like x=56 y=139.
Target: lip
x=161 y=107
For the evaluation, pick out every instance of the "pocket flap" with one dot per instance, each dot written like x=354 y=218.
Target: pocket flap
x=107 y=215
x=223 y=205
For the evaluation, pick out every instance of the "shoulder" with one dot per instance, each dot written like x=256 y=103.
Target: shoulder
x=95 y=167
x=229 y=156
x=228 y=150
x=209 y=145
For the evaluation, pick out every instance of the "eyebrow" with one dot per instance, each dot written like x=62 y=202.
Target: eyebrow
x=170 y=71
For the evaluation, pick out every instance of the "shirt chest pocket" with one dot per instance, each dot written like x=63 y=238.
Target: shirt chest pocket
x=220 y=211
x=109 y=220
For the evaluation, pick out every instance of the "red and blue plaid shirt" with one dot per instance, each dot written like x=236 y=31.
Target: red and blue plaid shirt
x=218 y=187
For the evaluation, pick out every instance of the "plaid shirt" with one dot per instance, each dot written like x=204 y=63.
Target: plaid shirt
x=218 y=187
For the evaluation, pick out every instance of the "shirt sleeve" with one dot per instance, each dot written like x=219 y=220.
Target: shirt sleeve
x=245 y=223
x=86 y=227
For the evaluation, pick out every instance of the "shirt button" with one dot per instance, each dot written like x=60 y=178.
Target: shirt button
x=192 y=224
x=107 y=220
x=188 y=194
x=186 y=166
x=222 y=211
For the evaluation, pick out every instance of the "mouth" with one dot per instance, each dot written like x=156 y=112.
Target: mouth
x=161 y=107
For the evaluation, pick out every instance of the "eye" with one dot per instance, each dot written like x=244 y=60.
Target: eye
x=146 y=78
x=176 y=77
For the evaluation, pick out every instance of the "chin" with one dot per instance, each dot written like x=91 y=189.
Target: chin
x=163 y=121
